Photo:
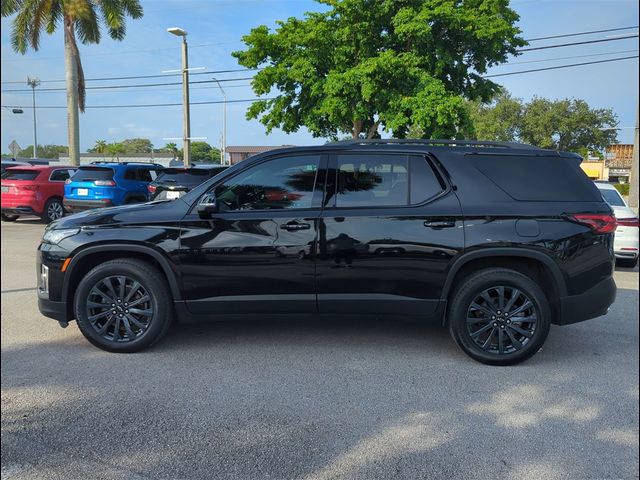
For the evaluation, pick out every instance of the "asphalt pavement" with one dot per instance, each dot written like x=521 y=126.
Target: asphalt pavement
x=310 y=400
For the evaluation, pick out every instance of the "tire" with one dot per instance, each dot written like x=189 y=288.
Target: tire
x=473 y=326
x=53 y=210
x=627 y=262
x=135 y=331
x=9 y=218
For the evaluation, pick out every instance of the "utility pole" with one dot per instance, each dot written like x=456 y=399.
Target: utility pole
x=33 y=83
x=633 y=180
x=186 y=123
x=223 y=153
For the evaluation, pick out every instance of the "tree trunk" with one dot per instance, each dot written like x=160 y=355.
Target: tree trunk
x=357 y=128
x=71 y=70
x=373 y=130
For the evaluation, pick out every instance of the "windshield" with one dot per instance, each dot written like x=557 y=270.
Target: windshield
x=613 y=198
x=17 y=174
x=90 y=174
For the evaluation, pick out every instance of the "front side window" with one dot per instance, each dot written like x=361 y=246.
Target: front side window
x=281 y=183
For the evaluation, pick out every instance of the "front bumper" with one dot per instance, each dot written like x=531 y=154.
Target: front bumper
x=51 y=309
x=590 y=304
x=80 y=205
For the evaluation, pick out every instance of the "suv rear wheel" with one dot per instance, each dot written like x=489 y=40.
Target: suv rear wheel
x=123 y=305
x=499 y=317
x=53 y=210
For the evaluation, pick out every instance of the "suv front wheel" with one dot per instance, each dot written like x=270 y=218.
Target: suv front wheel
x=499 y=317
x=123 y=305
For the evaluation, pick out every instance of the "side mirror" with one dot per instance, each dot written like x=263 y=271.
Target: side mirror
x=207 y=205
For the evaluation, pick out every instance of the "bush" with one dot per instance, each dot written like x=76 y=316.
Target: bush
x=623 y=188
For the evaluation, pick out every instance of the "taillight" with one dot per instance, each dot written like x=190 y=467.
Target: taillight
x=67 y=181
x=599 y=223
x=104 y=183
x=151 y=188
x=628 y=222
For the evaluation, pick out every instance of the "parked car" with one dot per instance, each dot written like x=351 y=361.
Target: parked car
x=499 y=241
x=107 y=184
x=34 y=190
x=173 y=182
x=11 y=163
x=627 y=240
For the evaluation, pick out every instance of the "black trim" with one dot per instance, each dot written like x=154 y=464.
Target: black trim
x=590 y=304
x=560 y=284
x=19 y=211
x=51 y=309
x=79 y=205
x=124 y=247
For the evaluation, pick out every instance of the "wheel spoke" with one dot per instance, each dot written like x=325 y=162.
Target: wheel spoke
x=100 y=315
x=514 y=341
x=515 y=294
x=482 y=309
x=487 y=342
x=522 y=308
x=102 y=330
x=144 y=298
x=138 y=324
x=529 y=319
x=480 y=331
x=127 y=327
x=132 y=290
x=488 y=299
x=472 y=320
x=116 y=330
x=501 y=298
x=99 y=293
x=91 y=304
x=121 y=281
x=501 y=341
x=138 y=311
x=108 y=282
x=521 y=331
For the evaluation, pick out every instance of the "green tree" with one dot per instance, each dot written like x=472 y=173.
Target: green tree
x=115 y=150
x=366 y=64
x=99 y=147
x=80 y=19
x=498 y=120
x=202 y=152
x=568 y=124
x=137 y=145
x=45 y=151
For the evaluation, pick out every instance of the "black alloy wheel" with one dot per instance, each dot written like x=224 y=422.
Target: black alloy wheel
x=499 y=316
x=123 y=305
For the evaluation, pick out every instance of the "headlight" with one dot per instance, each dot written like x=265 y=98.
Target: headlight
x=54 y=237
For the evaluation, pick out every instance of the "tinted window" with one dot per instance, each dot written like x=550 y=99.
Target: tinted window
x=90 y=174
x=178 y=176
x=145 y=175
x=286 y=182
x=424 y=182
x=130 y=174
x=612 y=197
x=60 y=175
x=16 y=174
x=372 y=180
x=533 y=178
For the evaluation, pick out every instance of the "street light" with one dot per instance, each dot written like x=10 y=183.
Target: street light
x=33 y=83
x=224 y=123
x=186 y=127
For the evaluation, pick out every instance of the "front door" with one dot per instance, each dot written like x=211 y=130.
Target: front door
x=257 y=253
x=387 y=235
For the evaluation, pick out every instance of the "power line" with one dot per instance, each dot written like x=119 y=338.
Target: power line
x=108 y=87
x=631 y=35
x=580 y=33
x=620 y=52
x=143 y=105
x=559 y=66
x=133 y=77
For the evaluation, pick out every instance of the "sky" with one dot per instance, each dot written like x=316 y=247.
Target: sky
x=215 y=28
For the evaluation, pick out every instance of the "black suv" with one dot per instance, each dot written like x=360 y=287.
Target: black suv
x=497 y=241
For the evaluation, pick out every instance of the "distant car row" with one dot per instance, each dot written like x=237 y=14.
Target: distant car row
x=49 y=192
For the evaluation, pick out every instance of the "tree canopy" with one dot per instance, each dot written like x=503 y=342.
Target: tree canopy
x=44 y=151
x=366 y=64
x=567 y=124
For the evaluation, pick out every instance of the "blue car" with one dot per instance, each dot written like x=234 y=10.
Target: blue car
x=108 y=184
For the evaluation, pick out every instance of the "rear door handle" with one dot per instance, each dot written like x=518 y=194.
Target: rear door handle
x=295 y=226
x=440 y=224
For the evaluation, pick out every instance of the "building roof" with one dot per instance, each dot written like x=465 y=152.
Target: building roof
x=254 y=148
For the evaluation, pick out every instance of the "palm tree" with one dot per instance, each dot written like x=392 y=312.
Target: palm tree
x=100 y=146
x=78 y=17
x=115 y=150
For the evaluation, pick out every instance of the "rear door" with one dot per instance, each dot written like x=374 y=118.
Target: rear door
x=388 y=232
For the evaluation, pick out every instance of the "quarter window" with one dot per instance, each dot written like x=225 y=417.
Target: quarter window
x=282 y=183
x=60 y=175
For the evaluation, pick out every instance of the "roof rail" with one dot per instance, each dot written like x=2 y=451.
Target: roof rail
x=435 y=142
x=96 y=162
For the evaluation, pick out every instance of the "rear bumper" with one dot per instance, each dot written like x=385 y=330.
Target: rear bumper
x=590 y=304
x=74 y=205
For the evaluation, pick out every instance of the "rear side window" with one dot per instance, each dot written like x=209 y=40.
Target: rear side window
x=91 y=174
x=60 y=175
x=181 y=176
x=538 y=179
x=16 y=174
x=424 y=183
x=145 y=175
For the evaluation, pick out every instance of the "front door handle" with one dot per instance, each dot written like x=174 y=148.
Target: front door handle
x=295 y=226
x=439 y=223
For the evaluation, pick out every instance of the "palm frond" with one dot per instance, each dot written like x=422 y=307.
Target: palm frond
x=88 y=26
x=9 y=7
x=132 y=8
x=55 y=15
x=114 y=18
